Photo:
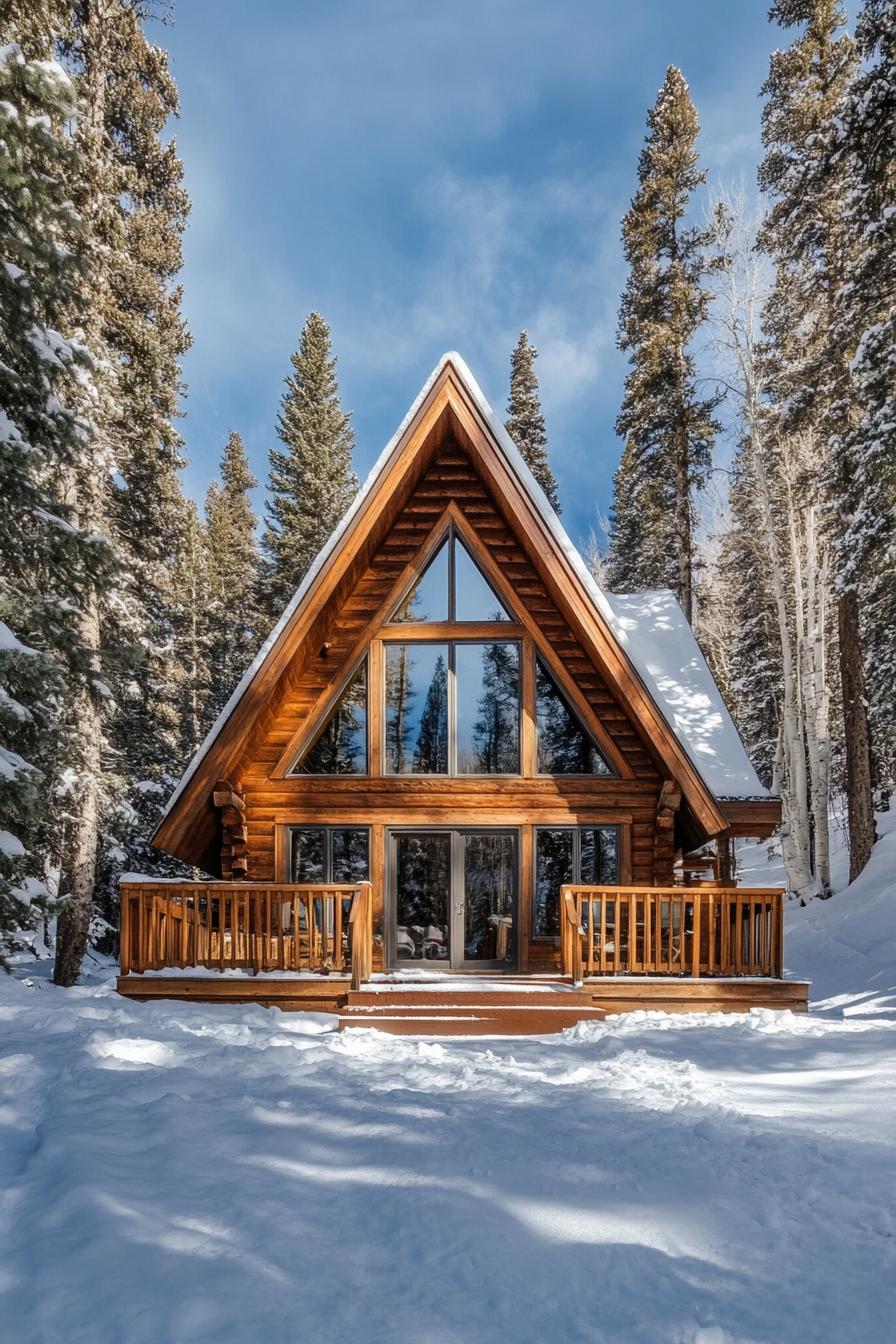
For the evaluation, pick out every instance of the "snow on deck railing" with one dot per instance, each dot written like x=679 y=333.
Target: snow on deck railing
x=254 y=926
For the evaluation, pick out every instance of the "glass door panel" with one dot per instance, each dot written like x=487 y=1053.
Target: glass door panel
x=488 y=896
x=423 y=897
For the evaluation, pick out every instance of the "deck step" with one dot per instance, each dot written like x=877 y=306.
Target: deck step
x=468 y=1011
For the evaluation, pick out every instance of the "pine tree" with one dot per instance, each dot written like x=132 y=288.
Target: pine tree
x=50 y=565
x=669 y=429
x=865 y=315
x=130 y=196
x=806 y=236
x=311 y=482
x=525 y=423
x=234 y=622
x=638 y=555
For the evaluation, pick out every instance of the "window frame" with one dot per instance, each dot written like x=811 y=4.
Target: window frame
x=577 y=829
x=610 y=773
x=450 y=538
x=295 y=771
x=327 y=828
x=451 y=644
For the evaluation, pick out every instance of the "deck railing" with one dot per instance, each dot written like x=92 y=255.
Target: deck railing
x=247 y=925
x=691 y=931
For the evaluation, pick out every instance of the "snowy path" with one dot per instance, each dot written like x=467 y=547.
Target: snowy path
x=175 y=1173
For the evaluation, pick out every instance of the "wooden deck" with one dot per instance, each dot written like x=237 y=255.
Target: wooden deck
x=479 y=1006
x=309 y=948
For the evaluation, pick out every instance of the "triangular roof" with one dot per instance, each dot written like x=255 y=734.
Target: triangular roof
x=643 y=642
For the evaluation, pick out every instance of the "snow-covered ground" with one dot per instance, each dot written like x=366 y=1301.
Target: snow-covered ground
x=177 y=1172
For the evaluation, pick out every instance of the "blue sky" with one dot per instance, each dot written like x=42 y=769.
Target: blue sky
x=432 y=177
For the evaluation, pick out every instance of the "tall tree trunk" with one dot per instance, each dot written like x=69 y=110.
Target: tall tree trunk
x=81 y=832
x=793 y=777
x=859 y=797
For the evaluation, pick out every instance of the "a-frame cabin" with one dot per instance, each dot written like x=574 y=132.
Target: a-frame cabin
x=455 y=754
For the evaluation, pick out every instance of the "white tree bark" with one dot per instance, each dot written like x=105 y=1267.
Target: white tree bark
x=792 y=557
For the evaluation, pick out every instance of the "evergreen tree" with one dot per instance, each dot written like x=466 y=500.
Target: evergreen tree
x=806 y=236
x=668 y=427
x=864 y=489
x=50 y=565
x=193 y=633
x=311 y=482
x=525 y=424
x=129 y=193
x=234 y=622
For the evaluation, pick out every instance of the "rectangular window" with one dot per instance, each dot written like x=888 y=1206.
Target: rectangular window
x=452 y=708
x=487 y=699
x=321 y=854
x=417 y=709
x=586 y=854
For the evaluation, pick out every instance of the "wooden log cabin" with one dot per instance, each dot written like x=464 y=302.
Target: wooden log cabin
x=461 y=788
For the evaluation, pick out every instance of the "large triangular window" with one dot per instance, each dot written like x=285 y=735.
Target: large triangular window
x=341 y=746
x=565 y=747
x=452 y=588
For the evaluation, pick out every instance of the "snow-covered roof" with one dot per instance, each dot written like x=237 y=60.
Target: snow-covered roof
x=656 y=635
x=650 y=627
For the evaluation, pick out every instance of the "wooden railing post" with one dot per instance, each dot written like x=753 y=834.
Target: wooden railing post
x=361 y=922
x=570 y=935
x=124 y=950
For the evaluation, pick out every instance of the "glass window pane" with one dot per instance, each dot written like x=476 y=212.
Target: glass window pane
x=341 y=749
x=428 y=599
x=489 y=888
x=553 y=867
x=474 y=597
x=417 y=709
x=350 y=858
x=422 y=881
x=488 y=709
x=600 y=855
x=309 y=855
x=564 y=747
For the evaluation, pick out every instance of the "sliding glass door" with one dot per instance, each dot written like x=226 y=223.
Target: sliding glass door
x=453 y=899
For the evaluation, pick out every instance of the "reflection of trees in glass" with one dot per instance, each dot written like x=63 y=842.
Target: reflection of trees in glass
x=349 y=857
x=422 y=879
x=309 y=853
x=553 y=867
x=600 y=855
x=431 y=751
x=564 y=747
x=589 y=855
x=330 y=854
x=489 y=882
x=496 y=728
x=341 y=749
x=399 y=695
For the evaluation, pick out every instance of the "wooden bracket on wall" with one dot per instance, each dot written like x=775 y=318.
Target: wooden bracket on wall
x=234 y=834
x=668 y=804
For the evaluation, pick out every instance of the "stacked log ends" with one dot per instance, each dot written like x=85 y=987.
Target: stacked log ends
x=234 y=834
x=663 y=840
